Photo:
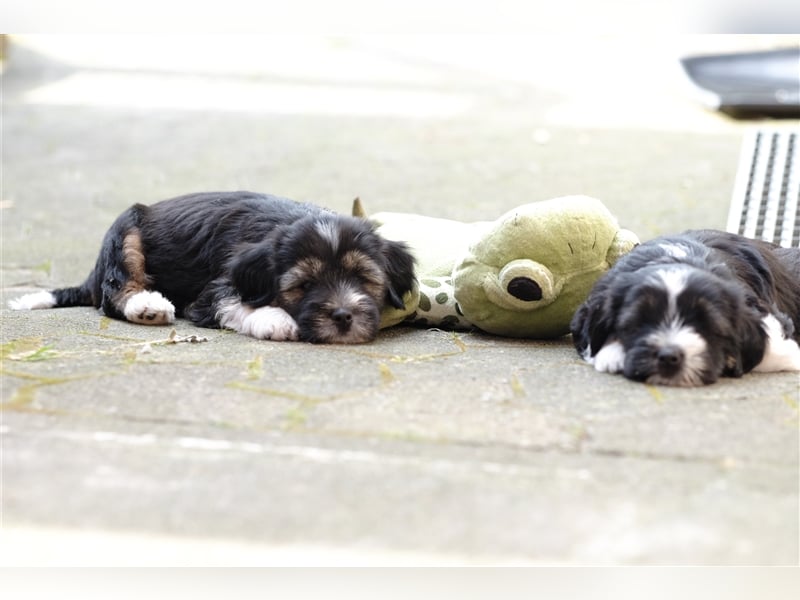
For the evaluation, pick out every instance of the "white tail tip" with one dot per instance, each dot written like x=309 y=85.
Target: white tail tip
x=33 y=301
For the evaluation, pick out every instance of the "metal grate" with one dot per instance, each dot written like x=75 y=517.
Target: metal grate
x=766 y=194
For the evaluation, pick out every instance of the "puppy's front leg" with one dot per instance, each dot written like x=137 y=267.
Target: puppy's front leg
x=270 y=323
x=264 y=323
x=610 y=358
x=782 y=353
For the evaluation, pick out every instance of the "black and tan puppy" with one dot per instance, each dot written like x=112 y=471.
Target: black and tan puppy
x=264 y=266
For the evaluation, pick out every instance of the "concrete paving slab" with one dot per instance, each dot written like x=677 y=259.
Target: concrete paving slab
x=424 y=447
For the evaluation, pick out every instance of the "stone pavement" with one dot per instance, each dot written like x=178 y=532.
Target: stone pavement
x=426 y=446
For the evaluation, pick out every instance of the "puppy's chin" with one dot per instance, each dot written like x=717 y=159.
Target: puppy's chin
x=318 y=329
x=352 y=322
x=681 y=366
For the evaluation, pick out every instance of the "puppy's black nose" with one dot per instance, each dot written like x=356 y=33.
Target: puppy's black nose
x=670 y=360
x=342 y=317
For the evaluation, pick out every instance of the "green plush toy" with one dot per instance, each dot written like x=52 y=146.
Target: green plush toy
x=523 y=275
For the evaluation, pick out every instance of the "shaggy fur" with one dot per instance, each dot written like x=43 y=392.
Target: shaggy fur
x=262 y=265
x=684 y=310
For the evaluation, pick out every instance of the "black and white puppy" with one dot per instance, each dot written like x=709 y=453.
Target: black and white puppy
x=684 y=310
x=264 y=266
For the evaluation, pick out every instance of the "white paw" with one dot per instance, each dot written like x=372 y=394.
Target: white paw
x=269 y=323
x=33 y=301
x=610 y=358
x=149 y=308
x=781 y=354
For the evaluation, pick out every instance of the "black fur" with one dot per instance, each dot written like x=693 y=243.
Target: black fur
x=201 y=250
x=729 y=284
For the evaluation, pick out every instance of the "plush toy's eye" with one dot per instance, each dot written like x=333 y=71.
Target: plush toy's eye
x=525 y=289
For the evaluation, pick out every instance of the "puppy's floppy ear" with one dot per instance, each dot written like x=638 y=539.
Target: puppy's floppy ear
x=579 y=326
x=595 y=320
x=399 y=268
x=592 y=325
x=750 y=344
x=254 y=275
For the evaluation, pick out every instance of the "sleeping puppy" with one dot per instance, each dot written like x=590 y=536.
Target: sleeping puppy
x=684 y=310
x=264 y=266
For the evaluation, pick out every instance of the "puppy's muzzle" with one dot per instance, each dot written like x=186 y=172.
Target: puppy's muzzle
x=343 y=318
x=669 y=361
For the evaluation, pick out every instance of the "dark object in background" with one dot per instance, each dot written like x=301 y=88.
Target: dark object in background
x=751 y=84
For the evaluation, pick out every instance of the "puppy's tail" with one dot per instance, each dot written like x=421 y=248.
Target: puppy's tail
x=71 y=296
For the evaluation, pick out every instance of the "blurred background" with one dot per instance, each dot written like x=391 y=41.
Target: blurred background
x=461 y=125
x=413 y=115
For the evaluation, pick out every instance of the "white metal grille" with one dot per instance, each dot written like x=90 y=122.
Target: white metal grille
x=766 y=194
